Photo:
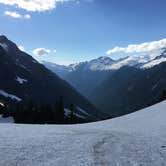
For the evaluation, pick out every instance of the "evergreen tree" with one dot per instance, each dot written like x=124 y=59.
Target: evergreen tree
x=1 y=109
x=163 y=95
x=72 y=108
x=18 y=114
x=60 y=114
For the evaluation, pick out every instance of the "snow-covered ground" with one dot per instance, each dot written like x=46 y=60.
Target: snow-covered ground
x=138 y=139
x=6 y=120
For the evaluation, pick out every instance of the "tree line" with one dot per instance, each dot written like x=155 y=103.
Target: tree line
x=31 y=113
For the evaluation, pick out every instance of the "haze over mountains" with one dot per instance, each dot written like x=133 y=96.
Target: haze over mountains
x=126 y=84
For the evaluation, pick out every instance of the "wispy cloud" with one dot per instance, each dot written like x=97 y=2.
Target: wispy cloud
x=17 y=15
x=34 y=5
x=147 y=47
x=42 y=51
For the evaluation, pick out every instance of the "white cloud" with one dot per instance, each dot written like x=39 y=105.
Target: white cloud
x=154 y=46
x=17 y=15
x=21 y=48
x=41 y=51
x=12 y=14
x=34 y=5
x=27 y=16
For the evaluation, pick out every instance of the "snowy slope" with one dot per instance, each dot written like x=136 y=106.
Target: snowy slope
x=129 y=61
x=137 y=139
x=154 y=63
x=6 y=120
x=102 y=63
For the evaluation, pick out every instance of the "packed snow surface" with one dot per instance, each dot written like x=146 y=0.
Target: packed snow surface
x=137 y=139
x=5 y=94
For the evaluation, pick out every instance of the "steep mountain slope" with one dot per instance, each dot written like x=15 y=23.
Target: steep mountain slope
x=85 y=81
x=60 y=70
x=23 y=78
x=133 y=140
x=130 y=89
x=84 y=76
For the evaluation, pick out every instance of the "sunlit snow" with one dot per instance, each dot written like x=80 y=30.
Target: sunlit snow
x=132 y=140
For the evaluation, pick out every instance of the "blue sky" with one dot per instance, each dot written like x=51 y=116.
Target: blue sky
x=82 y=30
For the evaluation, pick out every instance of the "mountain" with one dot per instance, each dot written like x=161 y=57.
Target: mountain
x=130 y=89
x=156 y=61
x=23 y=79
x=134 y=61
x=84 y=76
x=60 y=70
x=99 y=64
x=118 y=87
x=87 y=76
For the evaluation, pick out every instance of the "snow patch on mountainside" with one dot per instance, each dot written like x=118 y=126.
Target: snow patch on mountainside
x=4 y=46
x=2 y=104
x=21 y=80
x=129 y=61
x=68 y=114
x=154 y=63
x=7 y=95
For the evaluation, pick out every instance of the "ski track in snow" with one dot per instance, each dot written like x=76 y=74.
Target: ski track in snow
x=138 y=139
x=128 y=150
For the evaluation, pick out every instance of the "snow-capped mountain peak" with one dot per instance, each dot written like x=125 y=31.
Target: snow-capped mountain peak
x=105 y=63
x=99 y=64
x=156 y=61
x=129 y=61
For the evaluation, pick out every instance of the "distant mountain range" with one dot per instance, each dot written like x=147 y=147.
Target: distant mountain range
x=126 y=84
x=106 y=63
x=23 y=79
